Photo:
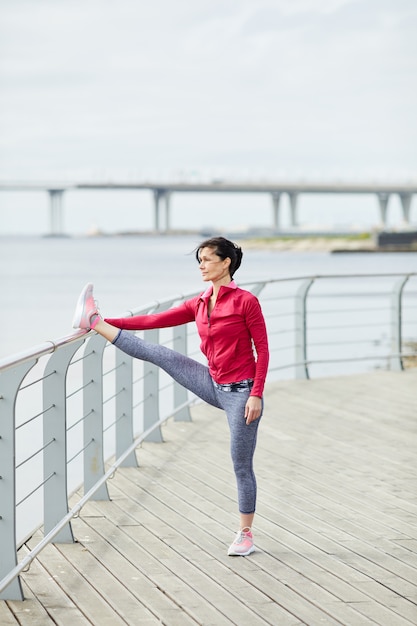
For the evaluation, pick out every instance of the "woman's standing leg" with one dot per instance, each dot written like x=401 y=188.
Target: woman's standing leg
x=242 y=447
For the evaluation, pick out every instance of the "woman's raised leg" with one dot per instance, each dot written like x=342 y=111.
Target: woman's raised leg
x=189 y=373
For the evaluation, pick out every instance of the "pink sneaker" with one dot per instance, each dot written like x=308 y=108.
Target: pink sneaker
x=243 y=544
x=85 y=309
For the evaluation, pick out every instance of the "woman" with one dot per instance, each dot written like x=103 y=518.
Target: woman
x=232 y=328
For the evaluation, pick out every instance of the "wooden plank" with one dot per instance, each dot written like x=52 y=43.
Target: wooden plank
x=349 y=592
x=194 y=531
x=210 y=596
x=130 y=569
x=335 y=529
x=7 y=617
x=91 y=586
x=50 y=604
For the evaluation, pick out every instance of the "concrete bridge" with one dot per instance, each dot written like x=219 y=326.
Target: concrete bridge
x=162 y=193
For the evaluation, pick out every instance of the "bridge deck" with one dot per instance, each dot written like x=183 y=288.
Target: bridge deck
x=336 y=528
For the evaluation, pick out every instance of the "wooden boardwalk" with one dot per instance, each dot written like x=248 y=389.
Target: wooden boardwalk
x=336 y=528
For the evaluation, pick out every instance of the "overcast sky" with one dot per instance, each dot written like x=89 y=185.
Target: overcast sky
x=139 y=88
x=126 y=87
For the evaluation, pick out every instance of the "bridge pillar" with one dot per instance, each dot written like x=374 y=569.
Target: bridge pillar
x=56 y=211
x=293 y=196
x=276 y=197
x=406 y=205
x=167 y=196
x=158 y=195
x=383 y=203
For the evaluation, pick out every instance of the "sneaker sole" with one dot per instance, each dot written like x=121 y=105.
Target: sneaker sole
x=251 y=549
x=76 y=320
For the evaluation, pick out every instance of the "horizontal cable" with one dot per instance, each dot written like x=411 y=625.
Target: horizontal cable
x=135 y=406
x=79 y=452
x=35 y=453
x=113 y=424
x=278 y=298
x=375 y=342
x=38 y=380
x=344 y=326
x=114 y=395
x=114 y=369
x=80 y=359
x=279 y=315
x=35 y=416
x=90 y=382
x=79 y=420
x=281 y=332
x=281 y=348
x=355 y=310
x=342 y=360
x=27 y=560
x=36 y=489
x=116 y=421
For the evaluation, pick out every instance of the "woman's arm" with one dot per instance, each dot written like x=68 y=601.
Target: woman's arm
x=181 y=314
x=257 y=328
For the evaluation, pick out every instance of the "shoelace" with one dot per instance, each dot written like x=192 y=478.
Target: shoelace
x=241 y=536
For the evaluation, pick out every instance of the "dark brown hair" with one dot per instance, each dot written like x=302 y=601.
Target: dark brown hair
x=224 y=249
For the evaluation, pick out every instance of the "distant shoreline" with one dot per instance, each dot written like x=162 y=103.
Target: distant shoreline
x=291 y=242
x=320 y=243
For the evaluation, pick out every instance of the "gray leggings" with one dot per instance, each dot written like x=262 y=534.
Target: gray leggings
x=195 y=377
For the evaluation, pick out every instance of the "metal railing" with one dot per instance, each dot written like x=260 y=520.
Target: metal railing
x=75 y=410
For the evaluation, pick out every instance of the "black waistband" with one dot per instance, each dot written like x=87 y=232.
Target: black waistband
x=242 y=385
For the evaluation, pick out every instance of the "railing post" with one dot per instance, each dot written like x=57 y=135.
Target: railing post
x=10 y=381
x=55 y=441
x=301 y=365
x=180 y=393
x=124 y=407
x=93 y=416
x=396 y=362
x=151 y=381
x=151 y=391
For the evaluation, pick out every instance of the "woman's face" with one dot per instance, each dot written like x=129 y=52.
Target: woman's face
x=212 y=267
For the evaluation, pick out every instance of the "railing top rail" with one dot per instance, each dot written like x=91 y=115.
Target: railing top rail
x=310 y=277
x=324 y=276
x=50 y=346
x=36 y=352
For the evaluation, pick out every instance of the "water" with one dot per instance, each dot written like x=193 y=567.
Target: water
x=40 y=278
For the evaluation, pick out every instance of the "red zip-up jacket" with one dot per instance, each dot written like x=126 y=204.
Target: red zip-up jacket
x=233 y=337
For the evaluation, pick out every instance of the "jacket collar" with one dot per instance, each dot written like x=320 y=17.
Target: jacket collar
x=206 y=295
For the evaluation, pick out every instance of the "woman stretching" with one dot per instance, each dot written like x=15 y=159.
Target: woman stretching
x=233 y=339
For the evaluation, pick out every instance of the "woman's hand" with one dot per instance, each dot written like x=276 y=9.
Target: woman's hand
x=253 y=409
